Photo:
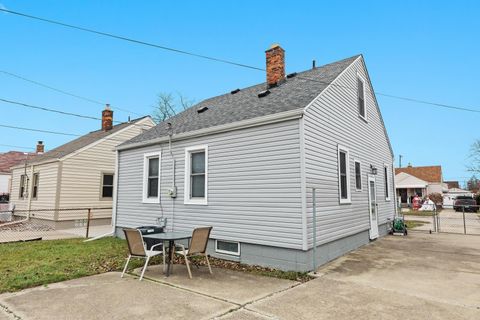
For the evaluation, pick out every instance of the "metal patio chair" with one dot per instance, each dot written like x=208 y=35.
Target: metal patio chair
x=136 y=248
x=198 y=247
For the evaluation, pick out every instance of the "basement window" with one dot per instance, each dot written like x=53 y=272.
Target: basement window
x=227 y=247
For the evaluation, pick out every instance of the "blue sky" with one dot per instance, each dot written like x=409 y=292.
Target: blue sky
x=418 y=49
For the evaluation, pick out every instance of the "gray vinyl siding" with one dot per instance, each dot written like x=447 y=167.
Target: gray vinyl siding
x=254 y=186
x=332 y=120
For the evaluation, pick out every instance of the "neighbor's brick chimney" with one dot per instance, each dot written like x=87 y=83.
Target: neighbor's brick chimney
x=40 y=147
x=107 y=118
x=275 y=64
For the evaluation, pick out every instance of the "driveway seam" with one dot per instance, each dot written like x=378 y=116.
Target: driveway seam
x=9 y=312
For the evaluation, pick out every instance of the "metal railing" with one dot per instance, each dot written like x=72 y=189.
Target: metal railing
x=44 y=224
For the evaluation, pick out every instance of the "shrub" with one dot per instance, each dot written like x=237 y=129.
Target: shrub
x=436 y=197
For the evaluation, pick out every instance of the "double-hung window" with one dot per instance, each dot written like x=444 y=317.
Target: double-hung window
x=36 y=177
x=196 y=175
x=151 y=177
x=344 y=175
x=107 y=185
x=358 y=175
x=387 y=182
x=23 y=184
x=361 y=97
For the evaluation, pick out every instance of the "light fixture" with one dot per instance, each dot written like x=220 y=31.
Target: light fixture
x=373 y=169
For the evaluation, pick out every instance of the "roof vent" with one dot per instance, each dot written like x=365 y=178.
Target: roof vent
x=235 y=91
x=202 y=109
x=291 y=75
x=264 y=93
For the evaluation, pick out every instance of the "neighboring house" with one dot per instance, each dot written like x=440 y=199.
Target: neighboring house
x=452 y=184
x=452 y=194
x=78 y=174
x=420 y=181
x=9 y=160
x=246 y=163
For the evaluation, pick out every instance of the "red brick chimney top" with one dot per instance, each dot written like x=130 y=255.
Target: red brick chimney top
x=107 y=118
x=275 y=64
x=40 y=147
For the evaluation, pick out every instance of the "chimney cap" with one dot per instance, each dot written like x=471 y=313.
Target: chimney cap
x=40 y=142
x=107 y=106
x=273 y=46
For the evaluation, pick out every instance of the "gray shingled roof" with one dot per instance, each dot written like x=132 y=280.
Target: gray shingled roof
x=83 y=141
x=292 y=94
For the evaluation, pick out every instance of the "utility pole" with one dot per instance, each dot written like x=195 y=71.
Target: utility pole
x=400 y=160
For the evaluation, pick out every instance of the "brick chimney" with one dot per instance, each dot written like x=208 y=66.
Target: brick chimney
x=275 y=64
x=107 y=118
x=40 y=147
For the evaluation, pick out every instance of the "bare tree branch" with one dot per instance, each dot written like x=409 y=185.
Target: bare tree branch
x=167 y=106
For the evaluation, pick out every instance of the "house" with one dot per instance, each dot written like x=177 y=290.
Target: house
x=247 y=163
x=9 y=160
x=420 y=181
x=452 y=184
x=54 y=186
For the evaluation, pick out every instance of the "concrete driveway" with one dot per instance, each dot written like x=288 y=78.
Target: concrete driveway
x=421 y=276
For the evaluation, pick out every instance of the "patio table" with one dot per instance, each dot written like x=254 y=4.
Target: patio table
x=171 y=237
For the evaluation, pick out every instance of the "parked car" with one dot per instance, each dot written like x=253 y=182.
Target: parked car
x=468 y=203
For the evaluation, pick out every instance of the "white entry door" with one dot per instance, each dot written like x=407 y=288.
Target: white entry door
x=372 y=207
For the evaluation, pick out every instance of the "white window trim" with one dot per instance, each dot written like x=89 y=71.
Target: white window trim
x=186 y=189
x=232 y=253
x=361 y=178
x=359 y=76
x=146 y=157
x=348 y=200
x=387 y=176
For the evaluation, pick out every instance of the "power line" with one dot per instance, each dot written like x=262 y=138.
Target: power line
x=132 y=40
x=17 y=147
x=16 y=103
x=65 y=92
x=40 y=130
x=460 y=108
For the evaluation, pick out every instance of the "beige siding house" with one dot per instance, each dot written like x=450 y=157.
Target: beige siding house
x=59 y=185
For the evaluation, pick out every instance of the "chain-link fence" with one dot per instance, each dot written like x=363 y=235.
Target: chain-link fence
x=462 y=219
x=48 y=224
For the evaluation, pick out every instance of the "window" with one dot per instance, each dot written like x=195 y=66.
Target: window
x=387 y=183
x=227 y=247
x=358 y=176
x=23 y=182
x=196 y=175
x=151 y=177
x=343 y=175
x=107 y=185
x=36 y=177
x=361 y=97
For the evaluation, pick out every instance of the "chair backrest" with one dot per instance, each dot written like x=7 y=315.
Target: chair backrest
x=199 y=241
x=135 y=242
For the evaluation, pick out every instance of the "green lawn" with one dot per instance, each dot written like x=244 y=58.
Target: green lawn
x=413 y=223
x=418 y=213
x=29 y=264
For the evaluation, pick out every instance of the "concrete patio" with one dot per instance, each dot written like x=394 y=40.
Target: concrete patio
x=421 y=276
